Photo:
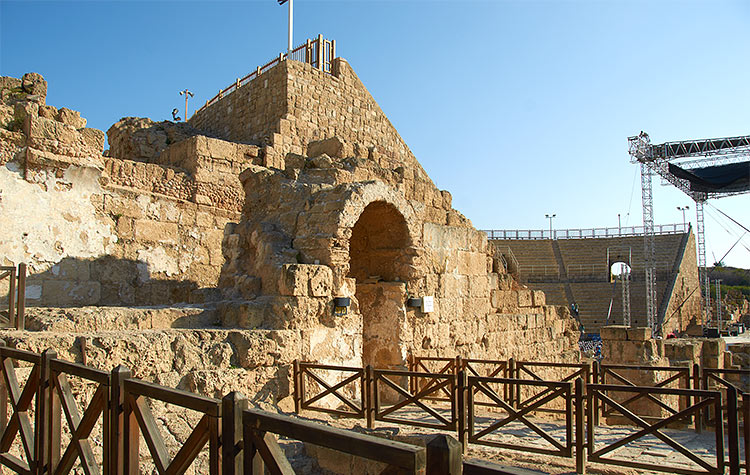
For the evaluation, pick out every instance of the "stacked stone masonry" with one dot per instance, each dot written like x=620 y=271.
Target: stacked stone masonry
x=291 y=191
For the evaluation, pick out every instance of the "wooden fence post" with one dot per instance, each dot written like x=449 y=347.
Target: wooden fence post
x=21 y=315
x=3 y=395
x=698 y=420
x=580 y=431
x=511 y=375
x=369 y=399
x=462 y=409
x=48 y=418
x=444 y=455
x=296 y=381
x=746 y=429
x=251 y=459
x=232 y=406
x=733 y=433
x=320 y=52
x=12 y=298
x=117 y=420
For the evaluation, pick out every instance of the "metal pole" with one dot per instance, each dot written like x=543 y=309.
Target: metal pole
x=291 y=14
x=718 y=304
x=550 y=216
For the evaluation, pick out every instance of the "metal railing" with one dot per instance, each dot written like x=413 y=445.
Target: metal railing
x=586 y=233
x=319 y=53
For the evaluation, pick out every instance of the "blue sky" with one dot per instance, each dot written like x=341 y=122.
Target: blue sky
x=518 y=108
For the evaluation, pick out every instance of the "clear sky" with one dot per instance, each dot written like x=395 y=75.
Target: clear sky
x=518 y=108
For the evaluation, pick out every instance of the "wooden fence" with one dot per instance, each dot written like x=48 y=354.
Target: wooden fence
x=36 y=396
x=578 y=397
x=14 y=317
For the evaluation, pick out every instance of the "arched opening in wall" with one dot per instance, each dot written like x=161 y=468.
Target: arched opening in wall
x=618 y=270
x=379 y=260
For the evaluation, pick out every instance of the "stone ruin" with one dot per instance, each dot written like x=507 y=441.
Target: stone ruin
x=208 y=255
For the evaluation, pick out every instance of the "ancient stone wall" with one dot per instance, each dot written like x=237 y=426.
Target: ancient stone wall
x=251 y=113
x=683 y=310
x=98 y=230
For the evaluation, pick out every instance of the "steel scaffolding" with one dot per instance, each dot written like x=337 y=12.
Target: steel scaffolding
x=656 y=159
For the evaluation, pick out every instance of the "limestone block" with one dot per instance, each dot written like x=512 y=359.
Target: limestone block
x=614 y=332
x=156 y=231
x=321 y=280
x=713 y=348
x=525 y=298
x=479 y=286
x=94 y=138
x=453 y=285
x=72 y=118
x=539 y=298
x=306 y=280
x=678 y=349
x=71 y=269
x=333 y=147
x=34 y=84
x=639 y=334
x=502 y=298
x=65 y=292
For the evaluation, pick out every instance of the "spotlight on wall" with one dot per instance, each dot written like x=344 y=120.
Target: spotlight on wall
x=341 y=305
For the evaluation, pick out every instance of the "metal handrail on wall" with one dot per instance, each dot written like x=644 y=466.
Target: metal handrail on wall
x=318 y=52
x=582 y=233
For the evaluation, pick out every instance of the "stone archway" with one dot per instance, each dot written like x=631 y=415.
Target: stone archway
x=379 y=261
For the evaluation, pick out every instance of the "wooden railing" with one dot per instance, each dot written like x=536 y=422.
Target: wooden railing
x=20 y=399
x=523 y=390
x=649 y=406
x=388 y=396
x=565 y=391
x=260 y=449
x=238 y=439
x=319 y=53
x=307 y=379
x=15 y=316
x=701 y=401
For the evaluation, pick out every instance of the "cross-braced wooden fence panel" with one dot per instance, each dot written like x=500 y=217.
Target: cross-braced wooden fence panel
x=316 y=384
x=654 y=427
x=20 y=399
x=508 y=414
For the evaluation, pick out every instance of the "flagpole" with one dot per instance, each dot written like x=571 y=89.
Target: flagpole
x=290 y=26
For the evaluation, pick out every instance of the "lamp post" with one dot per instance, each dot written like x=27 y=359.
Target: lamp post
x=683 y=208
x=550 y=216
x=186 y=93
x=619 y=224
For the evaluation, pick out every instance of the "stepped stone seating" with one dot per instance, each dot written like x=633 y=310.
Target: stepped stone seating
x=535 y=257
x=588 y=274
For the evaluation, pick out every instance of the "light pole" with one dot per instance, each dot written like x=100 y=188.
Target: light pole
x=619 y=224
x=550 y=216
x=683 y=208
x=186 y=93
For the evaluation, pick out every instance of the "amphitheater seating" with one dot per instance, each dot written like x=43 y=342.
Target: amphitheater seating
x=535 y=257
x=587 y=273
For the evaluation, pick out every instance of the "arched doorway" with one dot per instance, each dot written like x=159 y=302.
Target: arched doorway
x=379 y=260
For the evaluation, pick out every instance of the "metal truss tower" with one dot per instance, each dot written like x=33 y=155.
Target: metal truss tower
x=649 y=247
x=656 y=159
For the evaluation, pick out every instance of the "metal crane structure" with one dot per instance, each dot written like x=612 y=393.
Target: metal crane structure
x=702 y=169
